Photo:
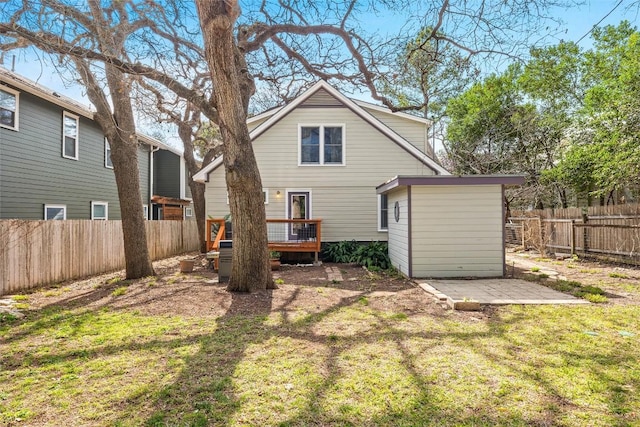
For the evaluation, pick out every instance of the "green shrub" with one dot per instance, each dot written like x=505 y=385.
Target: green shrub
x=375 y=255
x=341 y=251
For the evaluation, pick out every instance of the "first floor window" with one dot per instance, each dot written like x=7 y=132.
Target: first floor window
x=383 y=222
x=57 y=212
x=70 y=136
x=8 y=108
x=100 y=210
x=321 y=145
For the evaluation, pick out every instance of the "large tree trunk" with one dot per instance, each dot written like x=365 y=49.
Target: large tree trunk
x=119 y=128
x=124 y=154
x=232 y=89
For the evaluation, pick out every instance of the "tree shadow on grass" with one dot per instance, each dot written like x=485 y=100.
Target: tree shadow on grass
x=209 y=391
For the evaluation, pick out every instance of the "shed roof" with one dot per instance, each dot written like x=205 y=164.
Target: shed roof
x=400 y=181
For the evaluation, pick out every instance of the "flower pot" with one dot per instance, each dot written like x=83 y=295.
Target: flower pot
x=186 y=265
x=275 y=264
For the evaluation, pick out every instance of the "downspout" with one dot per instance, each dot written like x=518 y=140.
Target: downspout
x=153 y=150
x=183 y=193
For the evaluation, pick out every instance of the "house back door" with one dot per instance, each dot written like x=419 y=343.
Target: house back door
x=299 y=208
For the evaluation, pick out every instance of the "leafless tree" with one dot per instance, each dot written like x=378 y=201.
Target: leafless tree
x=273 y=40
x=197 y=134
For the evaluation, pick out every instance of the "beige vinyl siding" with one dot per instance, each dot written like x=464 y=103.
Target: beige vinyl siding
x=321 y=98
x=344 y=197
x=399 y=231
x=413 y=131
x=457 y=231
x=257 y=123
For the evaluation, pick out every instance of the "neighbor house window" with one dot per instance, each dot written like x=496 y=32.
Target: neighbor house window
x=321 y=145
x=69 y=136
x=55 y=212
x=188 y=212
x=145 y=211
x=383 y=212
x=8 y=108
x=107 y=155
x=100 y=210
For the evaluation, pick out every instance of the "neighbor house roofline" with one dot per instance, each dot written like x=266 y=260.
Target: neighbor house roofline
x=36 y=89
x=26 y=85
x=400 y=181
x=278 y=114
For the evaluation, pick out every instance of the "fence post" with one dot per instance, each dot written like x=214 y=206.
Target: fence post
x=585 y=233
x=524 y=248
x=572 y=233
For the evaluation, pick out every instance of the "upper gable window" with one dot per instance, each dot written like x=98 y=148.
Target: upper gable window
x=70 y=125
x=9 y=108
x=322 y=145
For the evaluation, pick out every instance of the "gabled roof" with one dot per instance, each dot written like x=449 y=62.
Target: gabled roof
x=36 y=89
x=40 y=91
x=279 y=113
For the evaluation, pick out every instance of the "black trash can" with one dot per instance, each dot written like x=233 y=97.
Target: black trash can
x=224 y=260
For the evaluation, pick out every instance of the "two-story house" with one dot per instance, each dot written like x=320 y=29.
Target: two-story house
x=55 y=161
x=369 y=174
x=323 y=155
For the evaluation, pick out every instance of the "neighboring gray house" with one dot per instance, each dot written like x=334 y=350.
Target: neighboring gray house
x=55 y=162
x=322 y=156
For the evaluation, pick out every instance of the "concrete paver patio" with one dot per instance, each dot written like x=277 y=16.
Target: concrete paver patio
x=496 y=291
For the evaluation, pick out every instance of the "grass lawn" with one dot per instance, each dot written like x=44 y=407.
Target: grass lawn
x=358 y=361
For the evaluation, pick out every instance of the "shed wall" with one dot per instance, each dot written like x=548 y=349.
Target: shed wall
x=456 y=231
x=399 y=231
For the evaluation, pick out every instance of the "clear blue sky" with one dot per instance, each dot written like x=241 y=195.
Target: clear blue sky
x=578 y=22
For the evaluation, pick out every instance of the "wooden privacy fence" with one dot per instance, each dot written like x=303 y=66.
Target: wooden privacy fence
x=611 y=231
x=34 y=253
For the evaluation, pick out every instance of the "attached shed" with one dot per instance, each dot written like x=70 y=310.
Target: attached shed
x=447 y=226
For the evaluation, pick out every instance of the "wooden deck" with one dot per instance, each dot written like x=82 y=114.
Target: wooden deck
x=285 y=235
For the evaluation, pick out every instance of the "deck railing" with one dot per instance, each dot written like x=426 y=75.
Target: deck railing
x=285 y=235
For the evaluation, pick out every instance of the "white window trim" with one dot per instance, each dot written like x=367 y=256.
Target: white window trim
x=145 y=211
x=188 y=212
x=16 y=112
x=321 y=154
x=63 y=207
x=106 y=210
x=66 y=114
x=380 y=214
x=107 y=152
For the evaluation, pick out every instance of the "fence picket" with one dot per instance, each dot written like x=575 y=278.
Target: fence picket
x=34 y=253
x=612 y=231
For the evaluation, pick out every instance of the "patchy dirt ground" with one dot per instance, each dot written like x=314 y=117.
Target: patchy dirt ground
x=309 y=288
